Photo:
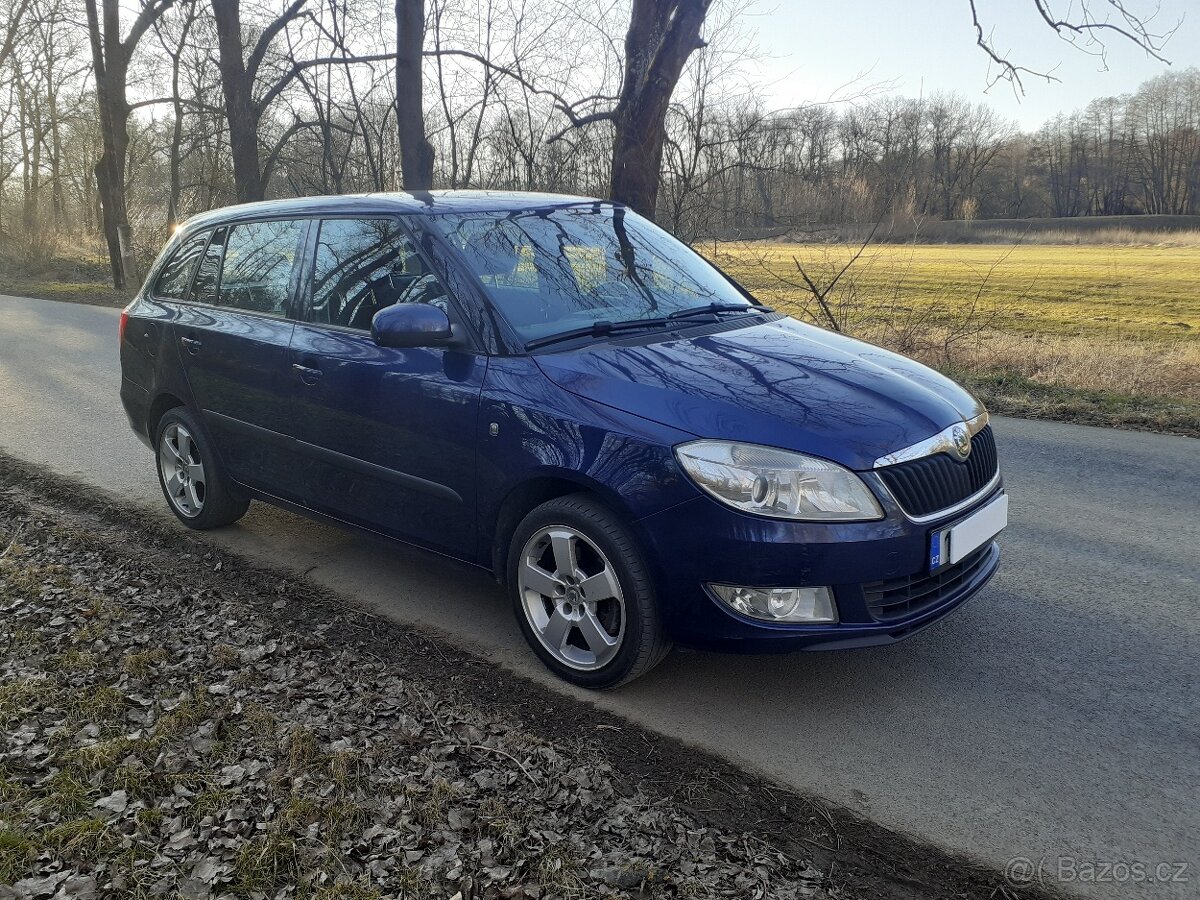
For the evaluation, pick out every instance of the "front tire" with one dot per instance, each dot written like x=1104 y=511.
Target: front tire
x=582 y=594
x=197 y=490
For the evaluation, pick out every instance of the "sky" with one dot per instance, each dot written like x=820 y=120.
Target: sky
x=811 y=49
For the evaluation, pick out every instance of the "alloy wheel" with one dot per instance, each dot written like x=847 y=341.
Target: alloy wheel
x=182 y=470
x=571 y=597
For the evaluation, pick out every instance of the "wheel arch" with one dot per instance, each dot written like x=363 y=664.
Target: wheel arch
x=530 y=493
x=163 y=403
x=167 y=401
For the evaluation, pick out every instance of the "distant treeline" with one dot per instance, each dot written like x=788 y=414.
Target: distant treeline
x=235 y=99
x=941 y=158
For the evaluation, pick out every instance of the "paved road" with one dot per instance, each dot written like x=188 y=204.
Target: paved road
x=1055 y=714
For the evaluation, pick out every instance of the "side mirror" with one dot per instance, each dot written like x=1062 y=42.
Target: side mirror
x=411 y=325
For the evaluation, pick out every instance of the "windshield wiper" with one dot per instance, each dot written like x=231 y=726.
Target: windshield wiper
x=715 y=308
x=605 y=327
x=596 y=329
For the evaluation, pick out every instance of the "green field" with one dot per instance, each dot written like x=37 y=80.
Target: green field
x=1113 y=292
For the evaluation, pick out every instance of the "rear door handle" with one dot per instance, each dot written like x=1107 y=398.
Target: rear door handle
x=308 y=374
x=191 y=345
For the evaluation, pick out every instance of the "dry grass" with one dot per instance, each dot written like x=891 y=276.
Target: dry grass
x=1107 y=335
x=90 y=293
x=1128 y=231
x=58 y=270
x=1116 y=236
x=1121 y=384
x=1110 y=292
x=1168 y=370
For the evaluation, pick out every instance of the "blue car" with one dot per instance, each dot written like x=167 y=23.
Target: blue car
x=556 y=390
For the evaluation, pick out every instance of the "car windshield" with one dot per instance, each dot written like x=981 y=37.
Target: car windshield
x=553 y=271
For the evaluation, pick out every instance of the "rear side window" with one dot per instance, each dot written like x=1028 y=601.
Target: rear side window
x=259 y=260
x=176 y=275
x=364 y=265
x=208 y=274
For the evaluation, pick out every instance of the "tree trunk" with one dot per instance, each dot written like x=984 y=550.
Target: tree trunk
x=240 y=108
x=110 y=60
x=176 y=154
x=58 y=201
x=662 y=35
x=416 y=153
x=26 y=129
x=110 y=181
x=176 y=157
x=636 y=161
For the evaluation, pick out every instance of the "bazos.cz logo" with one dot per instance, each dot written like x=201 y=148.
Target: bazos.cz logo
x=1021 y=870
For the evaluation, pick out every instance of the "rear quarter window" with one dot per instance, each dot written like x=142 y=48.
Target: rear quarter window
x=176 y=276
x=208 y=274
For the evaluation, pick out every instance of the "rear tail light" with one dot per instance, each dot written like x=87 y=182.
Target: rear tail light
x=121 y=327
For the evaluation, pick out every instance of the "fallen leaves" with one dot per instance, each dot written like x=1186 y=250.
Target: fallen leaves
x=165 y=739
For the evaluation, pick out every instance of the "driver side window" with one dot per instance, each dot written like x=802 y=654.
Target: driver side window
x=365 y=265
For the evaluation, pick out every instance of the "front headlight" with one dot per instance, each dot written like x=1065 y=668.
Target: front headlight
x=777 y=483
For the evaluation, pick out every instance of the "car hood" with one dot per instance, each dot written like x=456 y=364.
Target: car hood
x=781 y=383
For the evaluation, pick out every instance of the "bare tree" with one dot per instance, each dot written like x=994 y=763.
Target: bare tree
x=175 y=51
x=589 y=98
x=111 y=57
x=662 y=35
x=239 y=76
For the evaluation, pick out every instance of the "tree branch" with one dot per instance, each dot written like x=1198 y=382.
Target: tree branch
x=148 y=15
x=14 y=29
x=183 y=101
x=273 y=157
x=297 y=67
x=563 y=105
x=1136 y=30
x=605 y=115
x=268 y=35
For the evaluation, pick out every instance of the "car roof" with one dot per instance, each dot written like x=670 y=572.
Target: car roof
x=406 y=202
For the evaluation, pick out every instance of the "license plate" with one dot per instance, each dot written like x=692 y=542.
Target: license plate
x=950 y=545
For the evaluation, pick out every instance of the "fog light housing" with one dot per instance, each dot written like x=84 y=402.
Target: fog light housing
x=812 y=605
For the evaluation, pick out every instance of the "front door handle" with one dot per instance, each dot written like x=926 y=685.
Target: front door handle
x=308 y=374
x=191 y=345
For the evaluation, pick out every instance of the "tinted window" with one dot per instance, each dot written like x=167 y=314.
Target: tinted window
x=176 y=275
x=209 y=272
x=259 y=260
x=363 y=265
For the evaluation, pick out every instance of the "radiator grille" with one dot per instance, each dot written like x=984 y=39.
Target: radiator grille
x=933 y=483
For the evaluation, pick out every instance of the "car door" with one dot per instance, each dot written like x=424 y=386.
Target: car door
x=234 y=339
x=390 y=432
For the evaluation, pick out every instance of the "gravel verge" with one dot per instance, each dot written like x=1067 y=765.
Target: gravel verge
x=177 y=722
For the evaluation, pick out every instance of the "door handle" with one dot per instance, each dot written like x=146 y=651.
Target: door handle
x=191 y=345
x=308 y=374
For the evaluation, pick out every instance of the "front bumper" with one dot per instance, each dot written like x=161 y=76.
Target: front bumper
x=868 y=564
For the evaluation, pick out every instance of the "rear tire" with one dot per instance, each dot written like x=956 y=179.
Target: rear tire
x=583 y=595
x=196 y=488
